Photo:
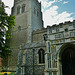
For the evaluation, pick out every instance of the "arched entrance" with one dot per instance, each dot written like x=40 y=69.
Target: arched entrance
x=68 y=61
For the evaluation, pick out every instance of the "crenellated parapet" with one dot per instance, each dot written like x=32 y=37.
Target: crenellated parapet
x=64 y=32
x=61 y=27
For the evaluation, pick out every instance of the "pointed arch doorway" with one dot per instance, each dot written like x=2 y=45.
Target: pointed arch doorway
x=68 y=61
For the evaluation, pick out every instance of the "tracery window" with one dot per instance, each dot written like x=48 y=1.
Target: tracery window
x=18 y=9
x=34 y=10
x=37 y=12
x=74 y=25
x=23 y=8
x=57 y=29
x=41 y=56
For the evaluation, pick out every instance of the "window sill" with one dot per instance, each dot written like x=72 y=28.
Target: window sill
x=42 y=64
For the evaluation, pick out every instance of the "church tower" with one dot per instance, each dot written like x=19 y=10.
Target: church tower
x=28 y=18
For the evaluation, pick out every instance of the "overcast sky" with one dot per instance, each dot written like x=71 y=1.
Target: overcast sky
x=54 y=11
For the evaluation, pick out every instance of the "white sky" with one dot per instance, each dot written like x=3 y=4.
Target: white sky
x=8 y=3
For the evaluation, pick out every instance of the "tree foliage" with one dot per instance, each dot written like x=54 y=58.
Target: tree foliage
x=6 y=24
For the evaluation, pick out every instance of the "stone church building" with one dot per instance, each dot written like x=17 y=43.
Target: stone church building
x=27 y=43
x=37 y=50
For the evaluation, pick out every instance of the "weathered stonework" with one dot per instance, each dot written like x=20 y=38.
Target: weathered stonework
x=57 y=44
x=30 y=61
x=26 y=36
x=29 y=38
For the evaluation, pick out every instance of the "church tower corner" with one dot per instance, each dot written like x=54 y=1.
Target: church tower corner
x=28 y=18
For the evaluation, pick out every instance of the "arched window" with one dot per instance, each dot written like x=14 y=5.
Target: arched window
x=18 y=9
x=37 y=12
x=34 y=10
x=23 y=8
x=41 y=56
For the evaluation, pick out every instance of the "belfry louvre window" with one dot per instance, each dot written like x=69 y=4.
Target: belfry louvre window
x=41 y=56
x=34 y=10
x=37 y=12
x=18 y=10
x=23 y=8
